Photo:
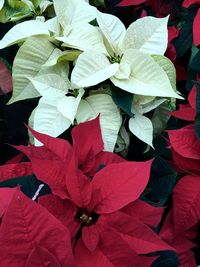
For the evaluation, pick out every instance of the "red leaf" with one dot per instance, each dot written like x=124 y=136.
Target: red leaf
x=118 y=251
x=185 y=142
x=85 y=258
x=119 y=184
x=48 y=168
x=78 y=185
x=101 y=160
x=145 y=212
x=140 y=238
x=188 y=3
x=131 y=2
x=58 y=146
x=173 y=32
x=64 y=210
x=8 y=171
x=41 y=257
x=192 y=97
x=26 y=224
x=186 y=211
x=196 y=30
x=5 y=79
x=185 y=112
x=6 y=195
x=90 y=237
x=187 y=259
x=16 y=159
x=87 y=140
x=186 y=164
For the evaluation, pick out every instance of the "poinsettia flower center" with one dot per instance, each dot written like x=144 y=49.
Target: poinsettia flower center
x=115 y=58
x=86 y=218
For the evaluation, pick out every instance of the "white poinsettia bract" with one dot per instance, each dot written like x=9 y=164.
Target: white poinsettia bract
x=128 y=61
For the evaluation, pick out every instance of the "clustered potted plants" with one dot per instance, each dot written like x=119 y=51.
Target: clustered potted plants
x=100 y=133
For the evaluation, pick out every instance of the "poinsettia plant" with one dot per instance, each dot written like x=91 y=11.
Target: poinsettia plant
x=99 y=133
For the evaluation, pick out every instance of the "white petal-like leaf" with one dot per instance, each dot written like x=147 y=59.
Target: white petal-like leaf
x=51 y=86
x=68 y=105
x=30 y=58
x=84 y=37
x=142 y=127
x=146 y=78
x=113 y=30
x=92 y=68
x=110 y=118
x=23 y=30
x=148 y=34
x=74 y=12
x=1 y=4
x=168 y=67
x=47 y=119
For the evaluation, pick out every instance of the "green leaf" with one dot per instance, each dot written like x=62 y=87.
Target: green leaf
x=17 y=10
x=31 y=56
x=122 y=99
x=161 y=182
x=185 y=38
x=29 y=185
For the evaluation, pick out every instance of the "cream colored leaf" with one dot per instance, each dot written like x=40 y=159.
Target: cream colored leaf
x=148 y=34
x=84 y=37
x=68 y=105
x=113 y=30
x=47 y=119
x=23 y=30
x=146 y=78
x=142 y=127
x=28 y=63
x=1 y=4
x=74 y=12
x=92 y=68
x=110 y=117
x=168 y=67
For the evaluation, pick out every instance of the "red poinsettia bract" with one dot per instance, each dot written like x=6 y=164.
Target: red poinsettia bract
x=181 y=224
x=29 y=235
x=95 y=194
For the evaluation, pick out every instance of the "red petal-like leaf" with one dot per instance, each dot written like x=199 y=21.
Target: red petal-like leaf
x=138 y=236
x=119 y=184
x=186 y=164
x=145 y=212
x=48 y=168
x=90 y=237
x=26 y=224
x=192 y=97
x=101 y=160
x=187 y=259
x=118 y=251
x=6 y=195
x=85 y=258
x=173 y=32
x=58 y=146
x=63 y=209
x=186 y=208
x=5 y=79
x=131 y=2
x=185 y=142
x=78 y=185
x=87 y=140
x=188 y=3
x=41 y=257
x=196 y=29
x=185 y=112
x=16 y=159
x=15 y=170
